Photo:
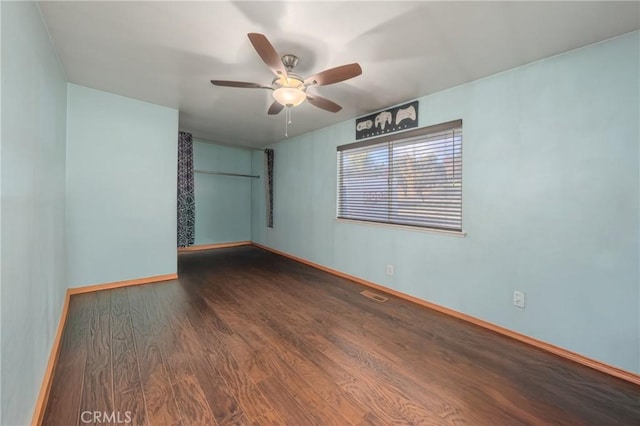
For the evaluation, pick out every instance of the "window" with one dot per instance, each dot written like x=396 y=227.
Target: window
x=413 y=178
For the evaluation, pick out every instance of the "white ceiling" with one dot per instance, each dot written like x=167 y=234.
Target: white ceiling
x=166 y=52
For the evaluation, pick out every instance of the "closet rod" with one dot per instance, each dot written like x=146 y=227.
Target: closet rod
x=226 y=174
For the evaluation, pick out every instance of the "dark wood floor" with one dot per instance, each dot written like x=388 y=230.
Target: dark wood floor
x=249 y=337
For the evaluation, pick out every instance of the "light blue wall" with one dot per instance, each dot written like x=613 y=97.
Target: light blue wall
x=121 y=188
x=550 y=204
x=223 y=203
x=34 y=101
x=1 y=400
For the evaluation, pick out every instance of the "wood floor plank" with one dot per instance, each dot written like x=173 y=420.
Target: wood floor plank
x=350 y=330
x=127 y=387
x=250 y=398
x=63 y=406
x=223 y=405
x=285 y=403
x=225 y=408
x=189 y=395
x=97 y=390
x=293 y=327
x=192 y=402
x=208 y=387
x=374 y=396
x=269 y=419
x=248 y=337
x=288 y=366
x=156 y=385
x=321 y=409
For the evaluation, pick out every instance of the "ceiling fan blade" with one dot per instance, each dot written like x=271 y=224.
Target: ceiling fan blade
x=240 y=84
x=323 y=103
x=268 y=53
x=275 y=108
x=334 y=75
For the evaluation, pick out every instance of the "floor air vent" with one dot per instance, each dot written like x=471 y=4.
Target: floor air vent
x=374 y=296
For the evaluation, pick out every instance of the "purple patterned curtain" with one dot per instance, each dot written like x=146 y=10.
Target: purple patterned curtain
x=186 y=199
x=268 y=182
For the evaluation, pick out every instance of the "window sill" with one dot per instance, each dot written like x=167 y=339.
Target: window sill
x=459 y=234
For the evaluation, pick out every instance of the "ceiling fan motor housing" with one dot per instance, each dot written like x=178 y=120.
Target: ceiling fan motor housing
x=290 y=61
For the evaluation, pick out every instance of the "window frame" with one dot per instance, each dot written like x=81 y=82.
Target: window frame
x=399 y=138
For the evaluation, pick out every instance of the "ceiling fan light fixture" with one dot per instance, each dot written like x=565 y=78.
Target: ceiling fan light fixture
x=289 y=96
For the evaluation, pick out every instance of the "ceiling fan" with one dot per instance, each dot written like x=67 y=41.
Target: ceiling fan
x=289 y=89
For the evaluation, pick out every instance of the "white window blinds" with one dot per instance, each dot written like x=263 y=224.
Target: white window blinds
x=414 y=178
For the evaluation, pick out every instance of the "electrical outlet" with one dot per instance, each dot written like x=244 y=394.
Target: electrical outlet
x=518 y=299
x=389 y=269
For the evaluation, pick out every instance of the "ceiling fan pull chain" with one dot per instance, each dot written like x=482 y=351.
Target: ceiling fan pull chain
x=286 y=123
x=287 y=113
